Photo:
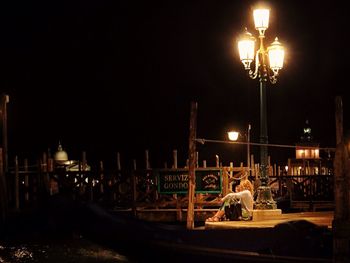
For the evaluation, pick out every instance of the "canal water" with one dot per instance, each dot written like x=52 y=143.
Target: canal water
x=76 y=249
x=50 y=234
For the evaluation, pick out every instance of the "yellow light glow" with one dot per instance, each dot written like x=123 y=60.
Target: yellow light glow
x=232 y=135
x=308 y=153
x=300 y=154
x=316 y=153
x=276 y=56
x=246 y=48
x=261 y=19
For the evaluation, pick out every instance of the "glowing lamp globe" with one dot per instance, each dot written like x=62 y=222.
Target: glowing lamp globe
x=233 y=135
x=261 y=19
x=276 y=55
x=246 y=48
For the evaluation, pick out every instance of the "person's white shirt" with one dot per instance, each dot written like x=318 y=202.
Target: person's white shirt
x=244 y=197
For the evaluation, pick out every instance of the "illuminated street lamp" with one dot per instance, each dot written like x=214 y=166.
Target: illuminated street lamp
x=233 y=136
x=267 y=63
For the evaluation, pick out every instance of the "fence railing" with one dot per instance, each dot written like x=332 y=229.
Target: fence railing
x=154 y=188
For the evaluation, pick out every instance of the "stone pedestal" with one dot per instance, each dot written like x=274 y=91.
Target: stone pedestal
x=264 y=200
x=266 y=214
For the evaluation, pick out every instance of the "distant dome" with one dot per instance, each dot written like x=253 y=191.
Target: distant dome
x=61 y=156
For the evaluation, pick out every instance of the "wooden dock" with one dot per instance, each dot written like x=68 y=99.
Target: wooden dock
x=323 y=219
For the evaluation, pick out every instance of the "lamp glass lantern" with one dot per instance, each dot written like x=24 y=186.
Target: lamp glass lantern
x=261 y=19
x=276 y=56
x=233 y=135
x=274 y=53
x=246 y=48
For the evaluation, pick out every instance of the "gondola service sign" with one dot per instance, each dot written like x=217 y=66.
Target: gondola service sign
x=175 y=181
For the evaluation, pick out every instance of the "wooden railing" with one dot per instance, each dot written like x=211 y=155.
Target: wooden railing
x=306 y=192
x=138 y=189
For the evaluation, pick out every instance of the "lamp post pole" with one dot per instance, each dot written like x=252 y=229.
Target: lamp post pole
x=267 y=64
x=248 y=148
x=264 y=198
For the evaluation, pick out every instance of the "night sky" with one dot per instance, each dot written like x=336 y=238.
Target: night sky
x=119 y=76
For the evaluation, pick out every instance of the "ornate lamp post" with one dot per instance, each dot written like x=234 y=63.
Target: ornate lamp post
x=267 y=63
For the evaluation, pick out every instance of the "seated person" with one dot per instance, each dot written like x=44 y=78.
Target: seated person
x=244 y=194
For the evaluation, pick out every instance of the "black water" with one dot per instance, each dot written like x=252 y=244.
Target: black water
x=75 y=249
x=62 y=230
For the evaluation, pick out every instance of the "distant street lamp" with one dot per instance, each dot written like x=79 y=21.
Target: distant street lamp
x=233 y=136
x=267 y=64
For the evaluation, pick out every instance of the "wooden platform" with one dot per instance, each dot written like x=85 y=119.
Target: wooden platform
x=319 y=218
x=167 y=215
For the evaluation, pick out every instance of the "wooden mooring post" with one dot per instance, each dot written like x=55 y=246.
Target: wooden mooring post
x=3 y=190
x=4 y=100
x=16 y=184
x=192 y=166
x=178 y=202
x=134 y=188
x=26 y=181
x=341 y=221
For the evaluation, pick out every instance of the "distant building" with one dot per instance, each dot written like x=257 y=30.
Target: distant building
x=61 y=160
x=307 y=159
x=310 y=185
x=69 y=173
x=61 y=156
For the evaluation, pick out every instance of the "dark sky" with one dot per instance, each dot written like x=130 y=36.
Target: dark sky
x=107 y=76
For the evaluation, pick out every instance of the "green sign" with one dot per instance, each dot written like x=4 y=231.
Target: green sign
x=175 y=181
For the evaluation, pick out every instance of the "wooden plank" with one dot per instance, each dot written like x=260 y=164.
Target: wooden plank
x=319 y=218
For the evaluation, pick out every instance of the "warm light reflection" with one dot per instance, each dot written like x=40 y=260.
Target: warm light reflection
x=316 y=153
x=310 y=153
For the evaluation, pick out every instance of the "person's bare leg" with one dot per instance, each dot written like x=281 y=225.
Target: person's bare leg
x=217 y=217
x=220 y=214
